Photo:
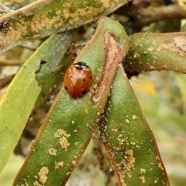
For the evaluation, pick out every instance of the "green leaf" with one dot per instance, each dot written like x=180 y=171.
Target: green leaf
x=48 y=76
x=22 y=93
x=42 y=18
x=128 y=138
x=70 y=122
x=156 y=51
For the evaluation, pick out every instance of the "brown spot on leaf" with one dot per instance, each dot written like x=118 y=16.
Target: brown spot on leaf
x=59 y=164
x=177 y=45
x=134 y=117
x=126 y=165
x=53 y=151
x=43 y=20
x=161 y=166
x=42 y=176
x=106 y=3
x=62 y=138
x=142 y=178
x=180 y=42
x=113 y=54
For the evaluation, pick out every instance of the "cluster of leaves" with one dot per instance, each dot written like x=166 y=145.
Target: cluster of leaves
x=110 y=106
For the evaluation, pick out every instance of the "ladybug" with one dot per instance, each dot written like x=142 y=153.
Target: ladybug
x=78 y=79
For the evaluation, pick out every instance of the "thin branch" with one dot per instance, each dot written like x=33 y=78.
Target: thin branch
x=26 y=46
x=11 y=63
x=145 y=16
x=5 y=81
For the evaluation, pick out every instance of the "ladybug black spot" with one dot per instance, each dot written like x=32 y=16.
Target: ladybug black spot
x=66 y=88
x=84 y=91
x=90 y=77
x=83 y=79
x=70 y=76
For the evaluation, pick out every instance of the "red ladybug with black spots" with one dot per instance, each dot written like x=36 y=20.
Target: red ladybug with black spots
x=78 y=79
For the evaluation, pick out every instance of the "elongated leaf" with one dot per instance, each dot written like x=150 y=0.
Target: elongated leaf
x=41 y=18
x=157 y=51
x=128 y=138
x=23 y=92
x=47 y=75
x=70 y=122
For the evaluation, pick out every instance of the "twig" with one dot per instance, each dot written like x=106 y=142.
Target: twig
x=5 y=81
x=28 y=47
x=11 y=63
x=145 y=16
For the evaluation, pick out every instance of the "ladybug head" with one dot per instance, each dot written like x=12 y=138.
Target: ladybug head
x=81 y=65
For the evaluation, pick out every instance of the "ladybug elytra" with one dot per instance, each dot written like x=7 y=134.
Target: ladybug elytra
x=78 y=79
